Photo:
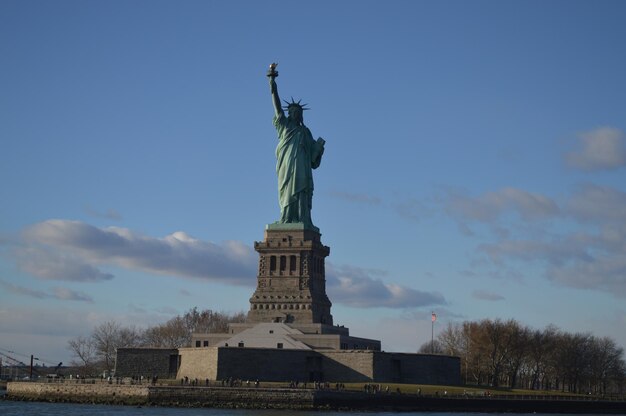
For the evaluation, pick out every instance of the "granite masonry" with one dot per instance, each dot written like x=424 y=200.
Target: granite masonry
x=289 y=333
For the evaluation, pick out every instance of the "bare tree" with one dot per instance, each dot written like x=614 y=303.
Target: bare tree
x=431 y=347
x=109 y=336
x=605 y=364
x=573 y=359
x=541 y=343
x=104 y=337
x=495 y=342
x=518 y=338
x=177 y=331
x=453 y=340
x=508 y=353
x=129 y=336
x=172 y=334
x=210 y=321
x=84 y=353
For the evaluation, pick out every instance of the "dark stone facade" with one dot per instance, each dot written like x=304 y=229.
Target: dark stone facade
x=337 y=366
x=267 y=364
x=147 y=362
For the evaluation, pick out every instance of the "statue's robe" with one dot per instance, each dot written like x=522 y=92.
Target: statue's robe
x=296 y=155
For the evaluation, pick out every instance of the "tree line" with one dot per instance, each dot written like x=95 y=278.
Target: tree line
x=508 y=354
x=493 y=353
x=95 y=353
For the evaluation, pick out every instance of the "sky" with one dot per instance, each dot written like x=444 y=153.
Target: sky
x=475 y=161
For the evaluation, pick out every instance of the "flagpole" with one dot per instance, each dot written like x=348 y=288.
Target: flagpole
x=432 y=332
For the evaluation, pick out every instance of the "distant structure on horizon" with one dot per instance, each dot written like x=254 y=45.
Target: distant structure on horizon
x=289 y=332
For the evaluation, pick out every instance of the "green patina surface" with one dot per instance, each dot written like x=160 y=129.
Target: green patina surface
x=278 y=226
x=297 y=154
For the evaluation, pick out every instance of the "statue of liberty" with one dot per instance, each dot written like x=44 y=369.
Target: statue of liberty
x=296 y=155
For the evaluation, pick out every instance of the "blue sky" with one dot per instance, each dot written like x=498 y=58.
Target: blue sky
x=475 y=161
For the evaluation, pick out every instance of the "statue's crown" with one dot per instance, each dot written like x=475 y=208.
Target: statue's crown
x=293 y=105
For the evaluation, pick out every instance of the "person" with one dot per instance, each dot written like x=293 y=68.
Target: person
x=296 y=155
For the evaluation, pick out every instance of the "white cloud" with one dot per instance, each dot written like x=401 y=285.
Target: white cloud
x=555 y=252
x=602 y=272
x=492 y=205
x=585 y=249
x=599 y=149
x=68 y=294
x=72 y=250
x=23 y=291
x=362 y=288
x=598 y=204
x=67 y=250
x=584 y=261
x=59 y=293
x=46 y=262
x=593 y=260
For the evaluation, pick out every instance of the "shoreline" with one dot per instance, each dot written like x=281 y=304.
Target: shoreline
x=296 y=399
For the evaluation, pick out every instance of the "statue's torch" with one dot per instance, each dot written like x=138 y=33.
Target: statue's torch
x=272 y=72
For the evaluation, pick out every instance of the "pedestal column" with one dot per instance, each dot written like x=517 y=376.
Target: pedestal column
x=291 y=280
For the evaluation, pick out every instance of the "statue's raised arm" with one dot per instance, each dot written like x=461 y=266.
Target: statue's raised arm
x=272 y=74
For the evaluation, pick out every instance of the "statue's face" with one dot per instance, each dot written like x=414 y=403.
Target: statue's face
x=296 y=114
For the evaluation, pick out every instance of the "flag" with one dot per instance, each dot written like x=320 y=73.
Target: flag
x=433 y=317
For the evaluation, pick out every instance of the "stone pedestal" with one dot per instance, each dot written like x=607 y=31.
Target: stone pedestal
x=291 y=282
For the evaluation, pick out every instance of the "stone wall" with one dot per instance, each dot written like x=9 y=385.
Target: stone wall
x=264 y=364
x=300 y=399
x=348 y=366
x=208 y=340
x=200 y=363
x=417 y=368
x=331 y=341
x=147 y=362
x=256 y=398
x=269 y=364
x=71 y=390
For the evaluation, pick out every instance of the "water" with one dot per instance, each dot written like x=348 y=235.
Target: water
x=11 y=408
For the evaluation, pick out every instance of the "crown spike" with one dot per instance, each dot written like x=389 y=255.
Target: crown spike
x=295 y=103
